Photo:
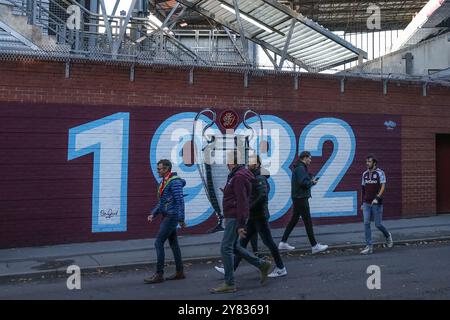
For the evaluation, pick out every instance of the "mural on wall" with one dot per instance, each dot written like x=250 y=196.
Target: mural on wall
x=89 y=173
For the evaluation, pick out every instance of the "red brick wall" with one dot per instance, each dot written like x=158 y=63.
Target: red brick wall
x=37 y=83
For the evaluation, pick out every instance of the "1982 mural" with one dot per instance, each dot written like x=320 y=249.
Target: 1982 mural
x=90 y=172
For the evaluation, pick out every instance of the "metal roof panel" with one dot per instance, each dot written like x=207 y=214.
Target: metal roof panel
x=269 y=24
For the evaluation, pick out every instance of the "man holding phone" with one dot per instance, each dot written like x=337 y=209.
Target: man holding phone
x=301 y=184
x=373 y=186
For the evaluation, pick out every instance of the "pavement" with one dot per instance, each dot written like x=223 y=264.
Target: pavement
x=37 y=262
x=414 y=271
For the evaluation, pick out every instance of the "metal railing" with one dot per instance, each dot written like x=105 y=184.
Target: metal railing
x=141 y=42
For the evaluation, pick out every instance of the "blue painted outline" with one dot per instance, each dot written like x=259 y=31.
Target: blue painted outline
x=191 y=192
x=95 y=149
x=285 y=166
x=318 y=153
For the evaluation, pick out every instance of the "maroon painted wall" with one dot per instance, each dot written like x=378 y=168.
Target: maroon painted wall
x=47 y=199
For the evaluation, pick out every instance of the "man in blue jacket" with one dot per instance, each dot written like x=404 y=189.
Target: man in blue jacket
x=171 y=207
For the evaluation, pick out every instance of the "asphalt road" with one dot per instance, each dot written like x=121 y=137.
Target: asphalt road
x=415 y=271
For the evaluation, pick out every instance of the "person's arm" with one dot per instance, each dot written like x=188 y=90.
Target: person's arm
x=155 y=211
x=303 y=177
x=178 y=199
x=241 y=187
x=261 y=188
x=363 y=190
x=380 y=193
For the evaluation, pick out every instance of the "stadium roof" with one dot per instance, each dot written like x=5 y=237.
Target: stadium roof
x=335 y=15
x=281 y=30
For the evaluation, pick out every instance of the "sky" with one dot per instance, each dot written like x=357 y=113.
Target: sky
x=123 y=5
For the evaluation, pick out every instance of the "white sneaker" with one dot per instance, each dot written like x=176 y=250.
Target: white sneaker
x=278 y=273
x=319 y=248
x=285 y=246
x=220 y=269
x=389 y=241
x=367 y=250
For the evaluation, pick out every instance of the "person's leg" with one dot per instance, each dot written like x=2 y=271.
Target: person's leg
x=227 y=250
x=307 y=221
x=173 y=242
x=293 y=222
x=245 y=254
x=251 y=232
x=163 y=234
x=266 y=237
x=254 y=242
x=259 y=263
x=378 y=217
x=367 y=212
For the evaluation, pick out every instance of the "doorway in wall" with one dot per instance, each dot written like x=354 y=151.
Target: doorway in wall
x=443 y=173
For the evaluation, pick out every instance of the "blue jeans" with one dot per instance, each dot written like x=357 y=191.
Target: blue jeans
x=377 y=212
x=168 y=231
x=230 y=247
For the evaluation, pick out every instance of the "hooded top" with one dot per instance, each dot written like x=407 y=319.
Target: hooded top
x=259 y=199
x=170 y=197
x=236 y=195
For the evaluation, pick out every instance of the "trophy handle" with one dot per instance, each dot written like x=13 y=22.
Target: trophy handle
x=209 y=125
x=249 y=111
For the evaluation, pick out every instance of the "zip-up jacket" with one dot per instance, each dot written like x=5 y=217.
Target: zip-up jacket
x=301 y=182
x=236 y=195
x=171 y=199
x=259 y=199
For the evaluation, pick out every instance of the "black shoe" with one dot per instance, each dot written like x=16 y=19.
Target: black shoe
x=217 y=228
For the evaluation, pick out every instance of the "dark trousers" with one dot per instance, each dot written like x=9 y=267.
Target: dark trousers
x=301 y=208
x=261 y=227
x=254 y=242
x=168 y=231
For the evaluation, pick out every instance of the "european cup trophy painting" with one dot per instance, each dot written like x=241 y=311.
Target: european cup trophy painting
x=211 y=149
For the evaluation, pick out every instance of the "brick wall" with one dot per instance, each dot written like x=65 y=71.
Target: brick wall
x=95 y=90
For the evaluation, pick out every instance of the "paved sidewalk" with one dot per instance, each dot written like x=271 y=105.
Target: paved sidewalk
x=38 y=261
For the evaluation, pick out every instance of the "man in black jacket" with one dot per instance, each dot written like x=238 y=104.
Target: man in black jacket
x=301 y=184
x=258 y=222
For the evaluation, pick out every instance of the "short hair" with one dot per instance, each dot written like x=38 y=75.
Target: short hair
x=305 y=154
x=373 y=158
x=166 y=163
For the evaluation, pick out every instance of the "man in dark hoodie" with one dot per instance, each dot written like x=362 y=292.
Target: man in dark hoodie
x=301 y=184
x=236 y=207
x=171 y=207
x=258 y=222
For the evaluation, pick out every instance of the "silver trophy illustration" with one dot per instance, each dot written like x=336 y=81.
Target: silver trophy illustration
x=211 y=156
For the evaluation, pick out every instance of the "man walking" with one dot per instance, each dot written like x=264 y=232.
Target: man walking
x=258 y=222
x=236 y=211
x=171 y=207
x=373 y=186
x=301 y=184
